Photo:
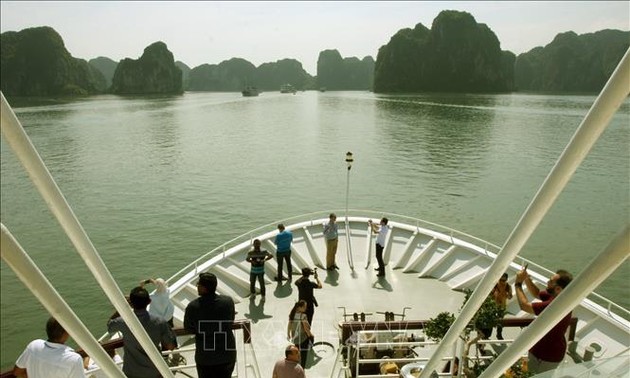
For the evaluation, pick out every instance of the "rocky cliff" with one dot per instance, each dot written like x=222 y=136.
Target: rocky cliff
x=153 y=73
x=456 y=55
x=571 y=62
x=35 y=62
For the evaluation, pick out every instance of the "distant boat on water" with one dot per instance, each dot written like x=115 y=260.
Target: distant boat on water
x=250 y=91
x=287 y=88
x=322 y=89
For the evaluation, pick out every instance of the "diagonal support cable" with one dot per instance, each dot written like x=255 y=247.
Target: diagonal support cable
x=595 y=122
x=594 y=274
x=26 y=153
x=33 y=278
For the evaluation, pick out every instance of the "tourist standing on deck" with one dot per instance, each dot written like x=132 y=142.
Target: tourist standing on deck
x=51 y=358
x=299 y=330
x=501 y=293
x=289 y=366
x=305 y=291
x=137 y=362
x=380 y=244
x=257 y=258
x=283 y=251
x=331 y=235
x=210 y=318
x=549 y=351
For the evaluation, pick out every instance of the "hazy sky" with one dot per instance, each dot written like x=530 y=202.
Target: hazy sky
x=212 y=31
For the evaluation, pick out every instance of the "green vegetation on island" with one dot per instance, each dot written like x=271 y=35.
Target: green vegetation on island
x=337 y=73
x=237 y=73
x=35 y=62
x=153 y=73
x=456 y=55
x=106 y=66
x=571 y=62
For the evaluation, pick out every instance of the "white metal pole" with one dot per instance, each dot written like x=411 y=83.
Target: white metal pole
x=594 y=274
x=609 y=100
x=348 y=242
x=18 y=140
x=33 y=278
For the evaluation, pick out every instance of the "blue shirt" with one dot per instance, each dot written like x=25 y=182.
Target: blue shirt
x=283 y=241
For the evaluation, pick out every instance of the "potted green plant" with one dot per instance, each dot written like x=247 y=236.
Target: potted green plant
x=487 y=317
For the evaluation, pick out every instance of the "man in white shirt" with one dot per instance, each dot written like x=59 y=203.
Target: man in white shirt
x=380 y=244
x=50 y=359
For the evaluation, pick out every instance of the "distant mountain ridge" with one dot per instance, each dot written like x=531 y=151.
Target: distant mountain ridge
x=456 y=55
x=106 y=66
x=571 y=62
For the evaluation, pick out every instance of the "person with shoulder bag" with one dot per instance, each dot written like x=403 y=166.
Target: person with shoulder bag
x=299 y=330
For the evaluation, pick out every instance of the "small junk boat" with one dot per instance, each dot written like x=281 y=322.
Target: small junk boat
x=250 y=91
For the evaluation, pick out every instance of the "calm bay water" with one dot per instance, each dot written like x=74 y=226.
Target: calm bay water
x=157 y=182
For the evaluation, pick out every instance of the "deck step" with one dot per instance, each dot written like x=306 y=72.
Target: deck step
x=421 y=257
x=310 y=247
x=436 y=262
x=408 y=250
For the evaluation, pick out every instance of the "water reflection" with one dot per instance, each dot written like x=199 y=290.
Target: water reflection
x=164 y=134
x=453 y=139
x=53 y=132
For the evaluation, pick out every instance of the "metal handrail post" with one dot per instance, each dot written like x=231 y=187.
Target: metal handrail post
x=33 y=278
x=34 y=166
x=596 y=272
x=607 y=103
x=349 y=161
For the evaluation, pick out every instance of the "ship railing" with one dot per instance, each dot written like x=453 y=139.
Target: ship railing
x=319 y=217
x=32 y=277
x=614 y=93
x=414 y=328
x=538 y=272
x=246 y=355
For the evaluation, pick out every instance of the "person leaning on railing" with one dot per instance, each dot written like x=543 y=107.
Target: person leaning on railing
x=51 y=358
x=137 y=362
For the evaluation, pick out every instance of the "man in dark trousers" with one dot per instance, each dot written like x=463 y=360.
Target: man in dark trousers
x=257 y=258
x=210 y=318
x=283 y=244
x=305 y=290
x=381 y=230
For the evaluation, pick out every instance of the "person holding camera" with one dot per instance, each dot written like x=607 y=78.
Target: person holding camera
x=161 y=305
x=305 y=291
x=381 y=230
x=550 y=350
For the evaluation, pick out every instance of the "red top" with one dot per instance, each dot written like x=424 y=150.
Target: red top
x=553 y=345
